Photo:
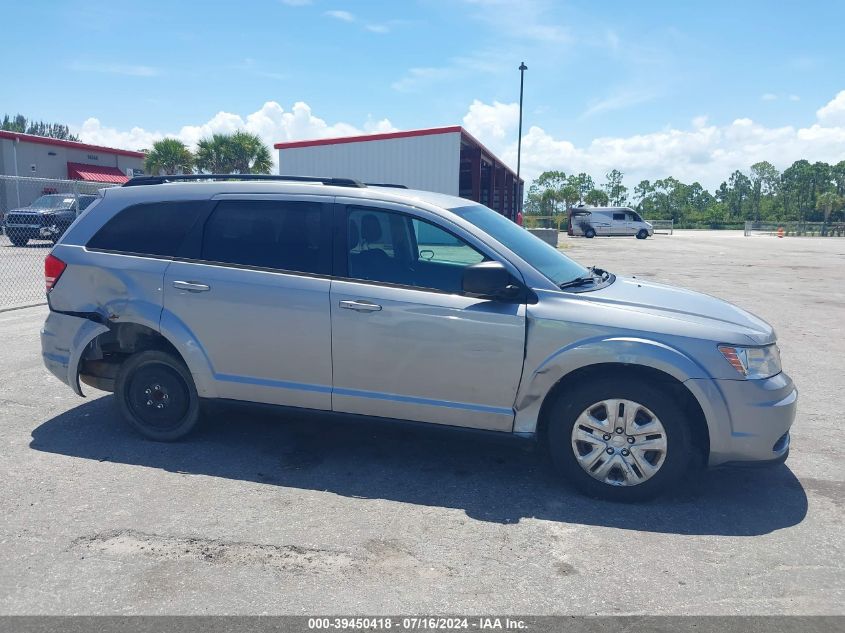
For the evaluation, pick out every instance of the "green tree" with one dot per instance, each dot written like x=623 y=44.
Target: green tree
x=169 y=156
x=238 y=153
x=19 y=123
x=828 y=202
x=250 y=155
x=617 y=193
x=765 y=180
x=214 y=154
x=584 y=183
x=596 y=198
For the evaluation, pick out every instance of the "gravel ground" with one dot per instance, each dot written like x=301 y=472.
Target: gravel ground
x=265 y=514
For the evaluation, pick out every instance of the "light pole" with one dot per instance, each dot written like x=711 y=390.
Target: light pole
x=522 y=69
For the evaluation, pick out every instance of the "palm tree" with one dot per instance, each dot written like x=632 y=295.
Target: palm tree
x=170 y=156
x=214 y=154
x=250 y=155
x=238 y=153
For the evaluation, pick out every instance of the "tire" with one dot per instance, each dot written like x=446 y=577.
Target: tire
x=589 y=233
x=642 y=234
x=18 y=239
x=156 y=394
x=628 y=478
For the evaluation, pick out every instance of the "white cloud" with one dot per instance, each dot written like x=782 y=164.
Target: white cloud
x=834 y=112
x=271 y=122
x=794 y=98
x=493 y=122
x=343 y=16
x=619 y=101
x=769 y=96
x=706 y=153
x=703 y=152
x=115 y=69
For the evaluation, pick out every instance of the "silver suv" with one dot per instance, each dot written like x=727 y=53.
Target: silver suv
x=407 y=305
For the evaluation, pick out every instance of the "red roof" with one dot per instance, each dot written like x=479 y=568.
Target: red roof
x=95 y=173
x=369 y=137
x=44 y=140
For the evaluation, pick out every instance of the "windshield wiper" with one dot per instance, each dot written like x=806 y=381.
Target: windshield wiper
x=602 y=275
x=578 y=281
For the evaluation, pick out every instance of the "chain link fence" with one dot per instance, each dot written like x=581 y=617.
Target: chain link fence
x=34 y=212
x=795 y=229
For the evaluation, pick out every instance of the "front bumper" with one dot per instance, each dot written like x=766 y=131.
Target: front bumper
x=759 y=414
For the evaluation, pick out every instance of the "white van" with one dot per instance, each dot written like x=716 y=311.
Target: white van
x=592 y=221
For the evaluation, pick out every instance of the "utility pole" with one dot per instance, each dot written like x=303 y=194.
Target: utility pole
x=522 y=69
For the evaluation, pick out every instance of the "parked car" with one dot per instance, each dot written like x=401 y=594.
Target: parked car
x=47 y=218
x=405 y=305
x=608 y=221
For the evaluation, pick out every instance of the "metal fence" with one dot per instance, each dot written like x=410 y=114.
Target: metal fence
x=662 y=226
x=795 y=229
x=33 y=214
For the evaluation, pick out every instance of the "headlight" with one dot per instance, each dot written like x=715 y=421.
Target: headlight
x=753 y=362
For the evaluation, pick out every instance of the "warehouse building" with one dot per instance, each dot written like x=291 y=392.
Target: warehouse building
x=443 y=159
x=42 y=157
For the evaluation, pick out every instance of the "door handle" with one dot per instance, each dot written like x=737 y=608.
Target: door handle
x=360 y=306
x=191 y=286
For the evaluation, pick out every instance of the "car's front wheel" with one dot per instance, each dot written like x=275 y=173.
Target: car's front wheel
x=642 y=234
x=619 y=439
x=156 y=394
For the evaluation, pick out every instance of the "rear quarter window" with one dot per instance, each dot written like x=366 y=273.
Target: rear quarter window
x=156 y=229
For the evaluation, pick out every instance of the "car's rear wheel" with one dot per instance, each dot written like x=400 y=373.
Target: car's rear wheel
x=618 y=439
x=642 y=234
x=18 y=239
x=156 y=394
x=589 y=233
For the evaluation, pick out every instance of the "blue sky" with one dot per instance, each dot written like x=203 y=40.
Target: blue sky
x=128 y=73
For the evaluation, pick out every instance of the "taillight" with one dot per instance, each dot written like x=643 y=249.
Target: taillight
x=53 y=269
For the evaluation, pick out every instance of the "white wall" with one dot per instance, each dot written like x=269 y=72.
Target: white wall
x=431 y=162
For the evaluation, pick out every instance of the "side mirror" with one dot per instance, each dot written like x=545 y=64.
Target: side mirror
x=490 y=280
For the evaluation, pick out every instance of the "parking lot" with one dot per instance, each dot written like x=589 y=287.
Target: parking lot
x=258 y=513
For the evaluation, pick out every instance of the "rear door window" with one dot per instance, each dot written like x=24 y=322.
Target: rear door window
x=619 y=216
x=280 y=235
x=155 y=229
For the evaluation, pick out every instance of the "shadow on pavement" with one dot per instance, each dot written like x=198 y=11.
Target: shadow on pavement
x=490 y=481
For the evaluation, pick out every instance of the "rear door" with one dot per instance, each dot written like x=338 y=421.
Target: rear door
x=252 y=286
x=406 y=343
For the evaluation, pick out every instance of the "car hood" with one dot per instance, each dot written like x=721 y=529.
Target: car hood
x=723 y=321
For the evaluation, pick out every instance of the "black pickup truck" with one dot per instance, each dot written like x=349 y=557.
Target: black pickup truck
x=45 y=219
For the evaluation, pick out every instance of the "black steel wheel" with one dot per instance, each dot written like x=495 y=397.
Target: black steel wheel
x=156 y=394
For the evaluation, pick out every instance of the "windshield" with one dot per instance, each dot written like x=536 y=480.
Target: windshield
x=545 y=258
x=52 y=202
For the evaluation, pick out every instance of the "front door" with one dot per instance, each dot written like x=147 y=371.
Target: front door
x=255 y=297
x=406 y=343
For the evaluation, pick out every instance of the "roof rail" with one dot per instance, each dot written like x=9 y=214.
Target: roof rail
x=385 y=184
x=157 y=180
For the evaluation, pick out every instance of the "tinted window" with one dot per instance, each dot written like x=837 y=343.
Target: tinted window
x=269 y=234
x=148 y=229
x=395 y=248
x=619 y=216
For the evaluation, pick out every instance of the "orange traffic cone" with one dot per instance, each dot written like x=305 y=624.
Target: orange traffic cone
x=780 y=231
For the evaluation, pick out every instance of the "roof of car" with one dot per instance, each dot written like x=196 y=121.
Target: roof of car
x=204 y=190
